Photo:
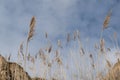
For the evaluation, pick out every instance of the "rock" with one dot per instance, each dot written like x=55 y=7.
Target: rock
x=4 y=69
x=37 y=79
x=17 y=72
x=13 y=71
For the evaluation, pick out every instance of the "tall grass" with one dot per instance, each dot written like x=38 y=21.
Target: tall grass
x=79 y=64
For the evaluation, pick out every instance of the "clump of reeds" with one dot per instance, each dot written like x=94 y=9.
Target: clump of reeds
x=45 y=54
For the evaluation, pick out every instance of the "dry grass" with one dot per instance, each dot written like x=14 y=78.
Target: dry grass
x=55 y=67
x=80 y=65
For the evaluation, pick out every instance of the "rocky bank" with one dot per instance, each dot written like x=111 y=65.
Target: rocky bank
x=13 y=71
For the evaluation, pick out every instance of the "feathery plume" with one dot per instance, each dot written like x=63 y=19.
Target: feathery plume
x=78 y=34
x=68 y=37
x=50 y=49
x=33 y=60
x=75 y=35
x=96 y=46
x=41 y=52
x=59 y=43
x=21 y=49
x=115 y=35
x=28 y=57
x=56 y=53
x=36 y=56
x=91 y=57
x=59 y=61
x=108 y=64
x=102 y=44
x=82 y=51
x=46 y=35
x=32 y=27
x=107 y=19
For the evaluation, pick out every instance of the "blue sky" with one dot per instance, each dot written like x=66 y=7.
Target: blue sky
x=57 y=18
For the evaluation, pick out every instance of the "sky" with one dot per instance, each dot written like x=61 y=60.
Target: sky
x=57 y=18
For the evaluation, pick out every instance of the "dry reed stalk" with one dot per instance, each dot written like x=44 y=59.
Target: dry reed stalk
x=28 y=57
x=46 y=35
x=68 y=38
x=36 y=55
x=115 y=38
x=102 y=45
x=82 y=51
x=75 y=35
x=96 y=46
x=30 y=35
x=42 y=56
x=78 y=34
x=108 y=64
x=56 y=53
x=59 y=43
x=115 y=35
x=50 y=49
x=91 y=57
x=21 y=50
x=33 y=60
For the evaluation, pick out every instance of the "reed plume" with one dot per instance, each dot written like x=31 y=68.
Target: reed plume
x=75 y=35
x=59 y=43
x=108 y=64
x=46 y=35
x=21 y=50
x=102 y=45
x=106 y=22
x=32 y=29
x=30 y=35
x=68 y=38
x=107 y=19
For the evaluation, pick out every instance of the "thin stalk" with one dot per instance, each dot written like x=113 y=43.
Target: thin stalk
x=101 y=34
x=25 y=57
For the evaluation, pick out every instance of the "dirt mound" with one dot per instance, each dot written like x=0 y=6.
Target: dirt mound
x=13 y=71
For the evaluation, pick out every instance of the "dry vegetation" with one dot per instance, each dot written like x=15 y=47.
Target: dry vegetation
x=81 y=65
